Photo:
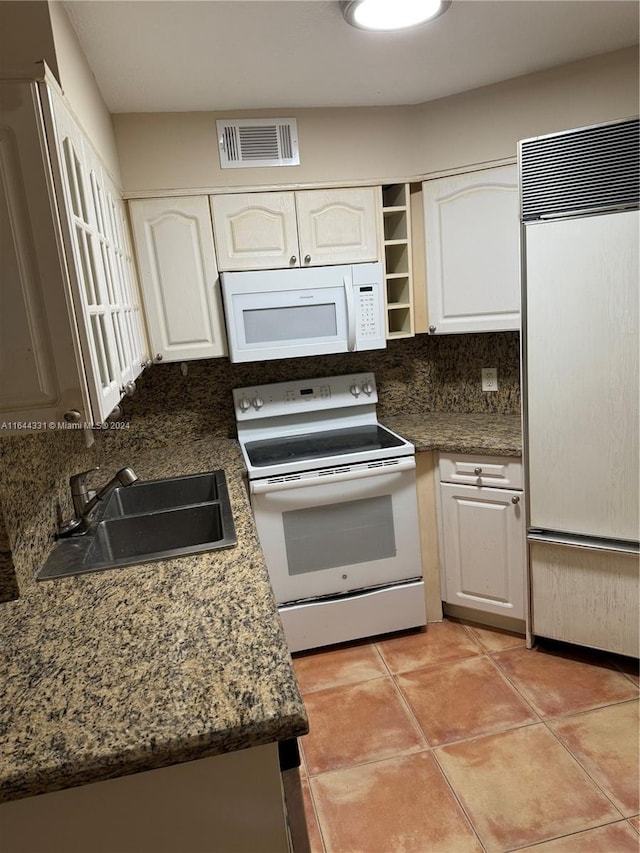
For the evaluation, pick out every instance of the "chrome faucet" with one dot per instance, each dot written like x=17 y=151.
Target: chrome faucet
x=84 y=501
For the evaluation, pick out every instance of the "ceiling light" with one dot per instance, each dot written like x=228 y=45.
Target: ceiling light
x=391 y=14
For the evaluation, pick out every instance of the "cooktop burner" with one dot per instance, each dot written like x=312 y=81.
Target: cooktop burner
x=320 y=445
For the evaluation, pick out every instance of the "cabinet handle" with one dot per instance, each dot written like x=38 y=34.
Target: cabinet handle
x=293 y=260
x=129 y=389
x=515 y=499
x=73 y=416
x=477 y=471
x=307 y=259
x=158 y=356
x=432 y=329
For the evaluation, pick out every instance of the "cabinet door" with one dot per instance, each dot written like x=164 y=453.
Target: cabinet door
x=114 y=264
x=338 y=226
x=40 y=372
x=484 y=549
x=104 y=361
x=255 y=231
x=472 y=251
x=174 y=244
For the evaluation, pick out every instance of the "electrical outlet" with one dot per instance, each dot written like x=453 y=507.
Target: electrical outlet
x=489 y=378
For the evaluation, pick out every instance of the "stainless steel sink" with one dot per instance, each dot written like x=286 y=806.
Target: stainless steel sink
x=148 y=521
x=155 y=495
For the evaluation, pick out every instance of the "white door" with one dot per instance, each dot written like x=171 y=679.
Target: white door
x=325 y=534
x=338 y=226
x=484 y=549
x=174 y=245
x=582 y=375
x=472 y=241
x=255 y=231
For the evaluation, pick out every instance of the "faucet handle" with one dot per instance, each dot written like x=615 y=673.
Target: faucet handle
x=78 y=482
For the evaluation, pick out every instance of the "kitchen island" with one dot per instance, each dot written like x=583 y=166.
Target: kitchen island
x=134 y=669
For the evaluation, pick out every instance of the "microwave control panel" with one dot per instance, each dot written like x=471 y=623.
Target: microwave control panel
x=368 y=311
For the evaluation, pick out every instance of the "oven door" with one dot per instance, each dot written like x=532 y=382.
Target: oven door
x=326 y=533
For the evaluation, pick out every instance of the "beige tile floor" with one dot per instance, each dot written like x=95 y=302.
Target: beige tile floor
x=457 y=738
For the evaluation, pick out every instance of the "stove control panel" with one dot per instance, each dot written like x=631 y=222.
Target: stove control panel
x=305 y=395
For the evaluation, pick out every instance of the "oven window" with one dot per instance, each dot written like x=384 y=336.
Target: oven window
x=297 y=322
x=339 y=534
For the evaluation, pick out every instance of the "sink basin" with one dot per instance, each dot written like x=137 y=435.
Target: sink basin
x=148 y=521
x=155 y=495
x=158 y=535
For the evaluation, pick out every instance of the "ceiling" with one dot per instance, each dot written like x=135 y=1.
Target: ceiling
x=177 y=55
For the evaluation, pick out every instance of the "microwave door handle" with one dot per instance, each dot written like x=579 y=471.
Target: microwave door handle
x=351 y=318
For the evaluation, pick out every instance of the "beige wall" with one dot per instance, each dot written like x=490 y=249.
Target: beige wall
x=26 y=38
x=487 y=123
x=168 y=151
x=80 y=88
x=162 y=152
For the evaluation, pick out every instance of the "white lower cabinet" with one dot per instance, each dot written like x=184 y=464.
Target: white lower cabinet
x=179 y=278
x=482 y=535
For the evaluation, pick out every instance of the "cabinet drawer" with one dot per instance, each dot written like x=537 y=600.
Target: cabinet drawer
x=500 y=472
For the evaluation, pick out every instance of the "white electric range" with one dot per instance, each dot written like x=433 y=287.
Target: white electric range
x=334 y=498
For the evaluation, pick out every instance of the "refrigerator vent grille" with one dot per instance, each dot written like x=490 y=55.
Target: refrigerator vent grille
x=591 y=169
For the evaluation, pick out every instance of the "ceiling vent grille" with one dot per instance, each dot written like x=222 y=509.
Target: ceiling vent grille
x=588 y=170
x=258 y=142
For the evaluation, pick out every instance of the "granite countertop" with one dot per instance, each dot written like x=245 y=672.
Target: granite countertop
x=486 y=434
x=136 y=668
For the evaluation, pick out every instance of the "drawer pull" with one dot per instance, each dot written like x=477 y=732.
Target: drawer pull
x=477 y=471
x=515 y=499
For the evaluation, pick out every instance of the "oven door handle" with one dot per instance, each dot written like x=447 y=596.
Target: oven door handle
x=260 y=487
x=351 y=317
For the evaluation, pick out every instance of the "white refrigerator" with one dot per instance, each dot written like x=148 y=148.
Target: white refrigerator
x=581 y=380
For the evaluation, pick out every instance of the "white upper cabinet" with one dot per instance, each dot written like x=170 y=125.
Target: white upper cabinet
x=103 y=288
x=39 y=364
x=286 y=229
x=255 y=231
x=472 y=251
x=174 y=245
x=72 y=336
x=338 y=226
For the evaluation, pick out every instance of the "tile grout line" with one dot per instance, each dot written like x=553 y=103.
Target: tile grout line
x=316 y=814
x=584 y=769
x=566 y=835
x=458 y=800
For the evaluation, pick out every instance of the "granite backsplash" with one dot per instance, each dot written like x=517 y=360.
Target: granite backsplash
x=421 y=374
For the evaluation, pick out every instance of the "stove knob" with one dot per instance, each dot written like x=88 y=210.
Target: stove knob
x=367 y=388
x=355 y=390
x=244 y=404
x=258 y=403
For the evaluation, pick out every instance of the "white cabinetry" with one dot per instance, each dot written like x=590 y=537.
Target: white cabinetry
x=483 y=539
x=72 y=337
x=289 y=229
x=472 y=251
x=174 y=245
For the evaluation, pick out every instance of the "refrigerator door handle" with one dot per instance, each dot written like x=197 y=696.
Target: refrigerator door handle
x=588 y=543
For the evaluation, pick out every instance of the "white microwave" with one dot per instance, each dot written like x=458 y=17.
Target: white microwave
x=306 y=311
